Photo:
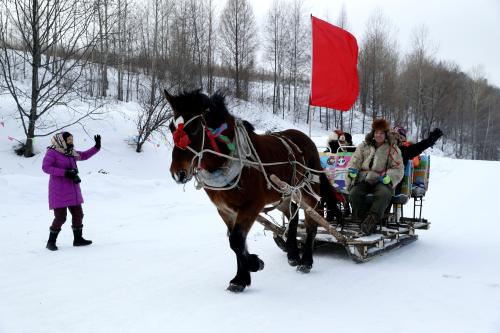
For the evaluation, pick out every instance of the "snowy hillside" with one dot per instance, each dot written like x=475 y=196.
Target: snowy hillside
x=160 y=261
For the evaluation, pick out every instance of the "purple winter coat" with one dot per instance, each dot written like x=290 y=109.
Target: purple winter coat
x=63 y=192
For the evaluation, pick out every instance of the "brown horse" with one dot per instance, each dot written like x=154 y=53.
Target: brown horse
x=233 y=164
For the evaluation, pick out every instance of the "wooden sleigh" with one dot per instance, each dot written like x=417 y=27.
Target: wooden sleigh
x=394 y=231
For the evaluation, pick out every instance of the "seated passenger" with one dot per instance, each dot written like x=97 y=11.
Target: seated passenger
x=339 y=138
x=411 y=151
x=376 y=167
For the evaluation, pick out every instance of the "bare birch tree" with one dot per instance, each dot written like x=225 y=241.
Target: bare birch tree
x=378 y=67
x=56 y=30
x=154 y=115
x=276 y=43
x=238 y=36
x=343 y=23
x=477 y=90
x=298 y=58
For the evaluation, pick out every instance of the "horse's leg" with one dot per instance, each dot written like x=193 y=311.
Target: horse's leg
x=237 y=241
x=292 y=250
x=246 y=262
x=290 y=210
x=306 y=261
x=242 y=278
x=228 y=217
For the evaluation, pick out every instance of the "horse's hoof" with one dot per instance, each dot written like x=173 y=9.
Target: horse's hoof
x=293 y=258
x=261 y=265
x=304 y=268
x=255 y=264
x=235 y=288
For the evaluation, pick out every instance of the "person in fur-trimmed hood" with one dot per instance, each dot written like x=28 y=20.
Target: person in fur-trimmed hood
x=339 y=139
x=376 y=167
x=64 y=185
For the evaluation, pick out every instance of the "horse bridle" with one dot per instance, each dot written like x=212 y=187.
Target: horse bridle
x=183 y=141
x=212 y=134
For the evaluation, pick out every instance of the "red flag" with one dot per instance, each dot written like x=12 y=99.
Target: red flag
x=334 y=66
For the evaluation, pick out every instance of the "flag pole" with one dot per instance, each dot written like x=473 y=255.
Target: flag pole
x=309 y=108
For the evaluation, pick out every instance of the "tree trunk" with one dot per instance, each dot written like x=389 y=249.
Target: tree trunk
x=138 y=148
x=37 y=61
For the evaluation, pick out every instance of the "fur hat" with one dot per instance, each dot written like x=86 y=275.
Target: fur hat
x=380 y=125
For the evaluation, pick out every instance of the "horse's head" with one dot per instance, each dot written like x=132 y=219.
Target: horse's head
x=195 y=117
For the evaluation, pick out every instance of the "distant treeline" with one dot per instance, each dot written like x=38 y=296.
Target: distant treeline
x=79 y=47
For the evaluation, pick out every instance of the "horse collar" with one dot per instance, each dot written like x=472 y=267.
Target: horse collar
x=222 y=177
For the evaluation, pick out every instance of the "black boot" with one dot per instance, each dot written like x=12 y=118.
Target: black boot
x=51 y=243
x=369 y=224
x=78 y=239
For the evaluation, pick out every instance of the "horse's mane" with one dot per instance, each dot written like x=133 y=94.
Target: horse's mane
x=249 y=127
x=218 y=100
x=218 y=104
x=191 y=100
x=197 y=100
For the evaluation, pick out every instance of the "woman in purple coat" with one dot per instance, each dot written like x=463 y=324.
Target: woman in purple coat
x=64 y=185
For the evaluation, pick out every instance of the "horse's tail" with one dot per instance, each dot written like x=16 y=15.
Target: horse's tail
x=330 y=197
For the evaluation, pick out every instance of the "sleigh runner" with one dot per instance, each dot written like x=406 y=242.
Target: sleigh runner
x=395 y=230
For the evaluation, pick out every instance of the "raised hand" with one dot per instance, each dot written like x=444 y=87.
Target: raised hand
x=435 y=134
x=97 y=139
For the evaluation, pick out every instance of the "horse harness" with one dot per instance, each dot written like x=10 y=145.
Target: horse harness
x=242 y=153
x=291 y=155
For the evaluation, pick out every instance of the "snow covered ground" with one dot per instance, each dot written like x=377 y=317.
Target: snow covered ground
x=160 y=261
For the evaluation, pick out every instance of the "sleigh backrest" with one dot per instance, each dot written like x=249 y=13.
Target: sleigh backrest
x=421 y=174
x=335 y=166
x=407 y=181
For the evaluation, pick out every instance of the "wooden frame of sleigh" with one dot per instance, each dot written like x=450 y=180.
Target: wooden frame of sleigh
x=395 y=230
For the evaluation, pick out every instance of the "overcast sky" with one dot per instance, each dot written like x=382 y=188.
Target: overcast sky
x=466 y=32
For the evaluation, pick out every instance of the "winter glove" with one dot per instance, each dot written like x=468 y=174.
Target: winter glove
x=70 y=173
x=384 y=179
x=97 y=139
x=352 y=173
x=434 y=135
